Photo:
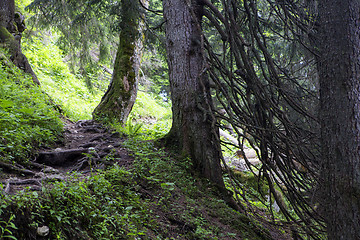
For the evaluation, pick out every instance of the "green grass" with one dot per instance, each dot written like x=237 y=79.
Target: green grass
x=27 y=117
x=150 y=118
x=67 y=90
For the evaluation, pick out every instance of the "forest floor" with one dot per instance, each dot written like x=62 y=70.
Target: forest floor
x=85 y=149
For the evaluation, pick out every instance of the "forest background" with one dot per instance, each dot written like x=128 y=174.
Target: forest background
x=271 y=86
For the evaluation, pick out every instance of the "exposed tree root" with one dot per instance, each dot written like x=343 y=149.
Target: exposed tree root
x=15 y=168
x=87 y=146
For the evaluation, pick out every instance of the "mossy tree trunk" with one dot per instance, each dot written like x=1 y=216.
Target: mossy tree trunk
x=193 y=128
x=11 y=27
x=120 y=97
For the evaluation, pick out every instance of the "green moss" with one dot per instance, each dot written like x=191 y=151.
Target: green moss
x=118 y=101
x=5 y=35
x=7 y=39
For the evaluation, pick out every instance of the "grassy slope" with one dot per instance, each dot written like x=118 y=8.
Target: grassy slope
x=159 y=198
x=65 y=89
x=27 y=118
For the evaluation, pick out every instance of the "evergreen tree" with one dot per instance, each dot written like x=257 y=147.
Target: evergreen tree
x=339 y=69
x=120 y=97
x=194 y=126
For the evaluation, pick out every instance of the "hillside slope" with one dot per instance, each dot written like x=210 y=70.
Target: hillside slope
x=99 y=185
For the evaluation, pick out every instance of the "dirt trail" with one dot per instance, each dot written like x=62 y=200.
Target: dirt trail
x=87 y=146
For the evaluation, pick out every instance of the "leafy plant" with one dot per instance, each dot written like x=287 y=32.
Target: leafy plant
x=6 y=228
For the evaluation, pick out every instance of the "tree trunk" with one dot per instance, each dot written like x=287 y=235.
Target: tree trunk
x=120 y=97
x=339 y=70
x=7 y=10
x=193 y=125
x=11 y=27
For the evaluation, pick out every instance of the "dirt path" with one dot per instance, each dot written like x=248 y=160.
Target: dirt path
x=87 y=146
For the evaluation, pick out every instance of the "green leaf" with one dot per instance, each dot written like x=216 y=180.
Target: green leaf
x=4 y=103
x=11 y=237
x=169 y=186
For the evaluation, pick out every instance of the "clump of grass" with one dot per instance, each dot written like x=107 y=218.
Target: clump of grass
x=150 y=118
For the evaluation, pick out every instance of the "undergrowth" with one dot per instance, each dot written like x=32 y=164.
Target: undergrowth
x=158 y=198
x=66 y=89
x=27 y=117
x=150 y=118
x=101 y=206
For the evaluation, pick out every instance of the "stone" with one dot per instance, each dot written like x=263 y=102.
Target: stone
x=43 y=231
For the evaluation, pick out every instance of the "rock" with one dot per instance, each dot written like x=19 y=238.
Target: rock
x=39 y=175
x=43 y=231
x=50 y=170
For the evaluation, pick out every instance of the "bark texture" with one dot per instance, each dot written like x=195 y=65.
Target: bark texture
x=11 y=27
x=7 y=10
x=193 y=123
x=339 y=70
x=120 y=97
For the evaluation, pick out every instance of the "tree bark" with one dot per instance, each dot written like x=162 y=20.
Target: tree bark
x=193 y=126
x=7 y=10
x=11 y=27
x=120 y=97
x=339 y=71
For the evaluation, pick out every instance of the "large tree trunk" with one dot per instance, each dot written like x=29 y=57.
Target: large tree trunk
x=120 y=97
x=7 y=10
x=193 y=122
x=339 y=70
x=11 y=27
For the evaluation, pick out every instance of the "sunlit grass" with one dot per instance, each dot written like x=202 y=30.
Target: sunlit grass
x=66 y=89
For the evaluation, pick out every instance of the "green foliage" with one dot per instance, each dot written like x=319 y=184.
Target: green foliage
x=184 y=198
x=150 y=118
x=66 y=90
x=102 y=206
x=84 y=27
x=21 y=4
x=149 y=106
x=155 y=73
x=27 y=117
x=131 y=129
x=127 y=204
x=7 y=228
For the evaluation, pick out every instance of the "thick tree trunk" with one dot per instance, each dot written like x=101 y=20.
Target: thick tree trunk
x=7 y=10
x=11 y=27
x=193 y=123
x=339 y=69
x=120 y=97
